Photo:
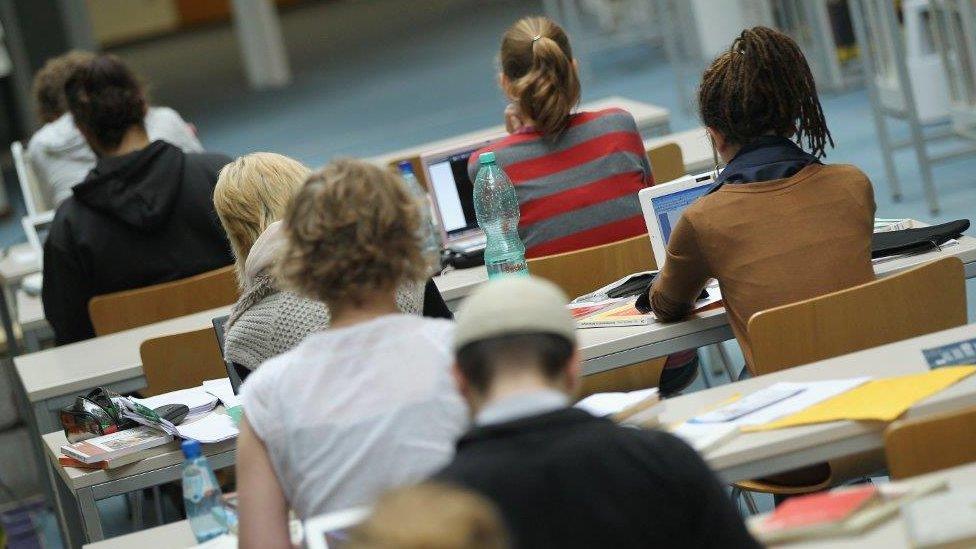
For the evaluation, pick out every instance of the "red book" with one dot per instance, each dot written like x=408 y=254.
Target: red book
x=819 y=511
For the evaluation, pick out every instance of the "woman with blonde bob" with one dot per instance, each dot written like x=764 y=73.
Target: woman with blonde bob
x=368 y=404
x=251 y=196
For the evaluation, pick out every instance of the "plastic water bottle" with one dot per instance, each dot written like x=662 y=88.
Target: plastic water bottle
x=201 y=495
x=429 y=232
x=497 y=210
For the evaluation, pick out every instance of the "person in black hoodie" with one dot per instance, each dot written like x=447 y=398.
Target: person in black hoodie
x=560 y=476
x=144 y=215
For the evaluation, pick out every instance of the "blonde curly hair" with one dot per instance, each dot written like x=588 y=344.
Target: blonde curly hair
x=352 y=230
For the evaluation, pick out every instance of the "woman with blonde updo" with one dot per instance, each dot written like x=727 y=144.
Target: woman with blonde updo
x=368 y=404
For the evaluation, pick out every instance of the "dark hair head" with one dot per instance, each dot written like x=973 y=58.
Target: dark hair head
x=538 y=62
x=481 y=361
x=49 y=83
x=106 y=99
x=763 y=85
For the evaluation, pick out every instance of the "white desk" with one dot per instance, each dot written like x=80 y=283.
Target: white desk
x=52 y=378
x=651 y=121
x=169 y=536
x=890 y=534
x=17 y=262
x=696 y=149
x=30 y=317
x=753 y=455
x=79 y=489
x=608 y=348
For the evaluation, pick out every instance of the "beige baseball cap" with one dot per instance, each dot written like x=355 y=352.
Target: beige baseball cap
x=514 y=305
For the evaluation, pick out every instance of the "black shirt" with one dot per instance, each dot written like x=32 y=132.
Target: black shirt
x=138 y=219
x=568 y=479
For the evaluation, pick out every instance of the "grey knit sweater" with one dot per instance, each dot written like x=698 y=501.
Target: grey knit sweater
x=266 y=321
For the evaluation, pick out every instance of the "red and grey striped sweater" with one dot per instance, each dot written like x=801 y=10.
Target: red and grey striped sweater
x=579 y=190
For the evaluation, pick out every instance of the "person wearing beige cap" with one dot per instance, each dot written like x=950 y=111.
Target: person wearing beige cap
x=559 y=476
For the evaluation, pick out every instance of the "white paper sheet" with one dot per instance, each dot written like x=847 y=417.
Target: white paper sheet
x=814 y=392
x=196 y=399
x=605 y=404
x=705 y=436
x=222 y=389
x=213 y=427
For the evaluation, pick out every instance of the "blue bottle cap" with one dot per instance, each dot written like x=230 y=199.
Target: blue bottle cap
x=486 y=158
x=191 y=449
x=405 y=166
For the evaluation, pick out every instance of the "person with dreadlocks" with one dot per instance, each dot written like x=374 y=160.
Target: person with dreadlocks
x=780 y=226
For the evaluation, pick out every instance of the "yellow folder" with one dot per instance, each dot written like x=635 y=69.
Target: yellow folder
x=877 y=400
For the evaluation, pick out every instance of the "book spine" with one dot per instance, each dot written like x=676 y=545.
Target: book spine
x=614 y=323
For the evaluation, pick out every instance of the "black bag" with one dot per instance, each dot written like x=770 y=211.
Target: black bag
x=919 y=240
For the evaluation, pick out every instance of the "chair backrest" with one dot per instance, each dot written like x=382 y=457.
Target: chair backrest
x=922 y=300
x=112 y=313
x=180 y=361
x=667 y=162
x=582 y=271
x=34 y=198
x=917 y=446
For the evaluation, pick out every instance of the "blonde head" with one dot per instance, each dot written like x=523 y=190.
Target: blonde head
x=253 y=192
x=431 y=516
x=351 y=232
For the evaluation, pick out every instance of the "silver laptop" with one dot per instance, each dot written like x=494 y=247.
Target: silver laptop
x=452 y=190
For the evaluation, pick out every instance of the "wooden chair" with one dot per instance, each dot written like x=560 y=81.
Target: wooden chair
x=919 y=301
x=128 y=309
x=582 y=271
x=917 y=446
x=667 y=162
x=180 y=361
x=585 y=270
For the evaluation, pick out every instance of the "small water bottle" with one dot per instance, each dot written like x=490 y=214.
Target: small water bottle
x=201 y=495
x=429 y=232
x=497 y=209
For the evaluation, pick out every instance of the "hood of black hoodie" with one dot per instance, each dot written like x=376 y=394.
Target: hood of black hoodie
x=139 y=188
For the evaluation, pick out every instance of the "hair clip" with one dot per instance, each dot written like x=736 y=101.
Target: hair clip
x=536 y=38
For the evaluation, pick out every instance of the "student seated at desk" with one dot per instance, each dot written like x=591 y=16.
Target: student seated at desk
x=780 y=226
x=368 y=404
x=576 y=175
x=251 y=195
x=59 y=153
x=560 y=476
x=143 y=216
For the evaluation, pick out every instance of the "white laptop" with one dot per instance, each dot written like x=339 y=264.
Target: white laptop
x=663 y=205
x=331 y=530
x=452 y=190
x=37 y=227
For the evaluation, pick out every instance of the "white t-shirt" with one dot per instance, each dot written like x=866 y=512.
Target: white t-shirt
x=61 y=156
x=352 y=412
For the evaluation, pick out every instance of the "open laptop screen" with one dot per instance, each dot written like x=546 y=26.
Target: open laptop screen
x=453 y=190
x=669 y=207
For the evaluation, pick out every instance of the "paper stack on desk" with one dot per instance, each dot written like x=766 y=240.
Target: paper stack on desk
x=197 y=399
